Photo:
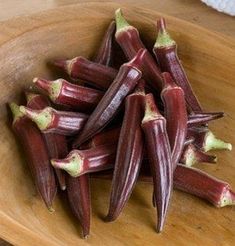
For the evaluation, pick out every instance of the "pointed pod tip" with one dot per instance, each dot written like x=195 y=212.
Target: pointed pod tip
x=121 y=23
x=51 y=209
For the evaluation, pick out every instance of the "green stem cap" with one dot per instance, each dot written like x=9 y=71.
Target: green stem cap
x=121 y=23
x=163 y=38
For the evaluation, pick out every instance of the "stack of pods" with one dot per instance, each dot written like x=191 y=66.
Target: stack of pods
x=146 y=109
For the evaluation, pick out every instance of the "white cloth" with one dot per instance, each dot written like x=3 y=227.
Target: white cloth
x=226 y=6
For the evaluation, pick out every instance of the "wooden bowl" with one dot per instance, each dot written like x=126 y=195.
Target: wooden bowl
x=26 y=46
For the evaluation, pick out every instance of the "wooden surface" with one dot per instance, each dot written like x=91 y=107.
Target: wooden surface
x=193 y=11
x=26 y=45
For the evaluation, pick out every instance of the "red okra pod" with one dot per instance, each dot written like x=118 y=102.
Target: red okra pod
x=159 y=154
x=176 y=116
x=197 y=119
x=56 y=144
x=37 y=155
x=105 y=51
x=107 y=136
x=201 y=184
x=50 y=120
x=165 y=50
x=64 y=93
x=78 y=191
x=192 y=155
x=110 y=103
x=129 y=154
x=205 y=140
x=79 y=162
x=96 y=74
x=128 y=38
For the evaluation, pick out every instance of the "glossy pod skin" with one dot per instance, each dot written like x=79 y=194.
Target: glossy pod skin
x=105 y=51
x=110 y=103
x=36 y=154
x=205 y=140
x=78 y=191
x=107 y=136
x=129 y=154
x=76 y=97
x=50 y=120
x=56 y=144
x=159 y=154
x=96 y=74
x=165 y=50
x=176 y=116
x=192 y=155
x=79 y=162
x=128 y=38
x=200 y=184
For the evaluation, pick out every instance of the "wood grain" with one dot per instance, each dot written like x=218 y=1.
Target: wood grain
x=26 y=46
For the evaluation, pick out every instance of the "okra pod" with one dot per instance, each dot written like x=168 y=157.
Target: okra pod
x=159 y=154
x=37 y=156
x=50 y=120
x=56 y=144
x=129 y=154
x=62 y=92
x=78 y=191
x=197 y=119
x=165 y=50
x=205 y=140
x=192 y=155
x=128 y=38
x=96 y=74
x=110 y=103
x=105 y=51
x=79 y=162
x=201 y=184
x=176 y=116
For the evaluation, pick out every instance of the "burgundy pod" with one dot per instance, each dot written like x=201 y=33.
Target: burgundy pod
x=201 y=184
x=105 y=51
x=78 y=190
x=79 y=162
x=165 y=50
x=128 y=38
x=37 y=156
x=96 y=74
x=62 y=92
x=110 y=103
x=56 y=144
x=50 y=120
x=176 y=116
x=108 y=136
x=129 y=154
x=159 y=154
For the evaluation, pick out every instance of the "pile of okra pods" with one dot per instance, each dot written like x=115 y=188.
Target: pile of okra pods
x=137 y=121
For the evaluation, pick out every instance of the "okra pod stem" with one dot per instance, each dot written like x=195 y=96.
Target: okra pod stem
x=206 y=140
x=96 y=74
x=50 y=120
x=56 y=144
x=165 y=50
x=105 y=51
x=128 y=38
x=64 y=93
x=159 y=154
x=79 y=162
x=78 y=191
x=129 y=154
x=192 y=155
x=37 y=156
x=176 y=116
x=110 y=103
